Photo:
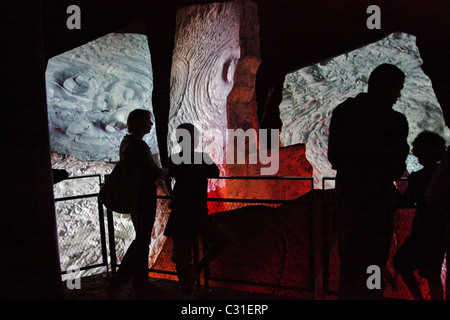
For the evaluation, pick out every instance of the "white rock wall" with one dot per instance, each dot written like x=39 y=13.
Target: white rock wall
x=90 y=92
x=204 y=61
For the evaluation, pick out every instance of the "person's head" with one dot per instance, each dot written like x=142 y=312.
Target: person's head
x=386 y=82
x=428 y=147
x=139 y=122
x=188 y=131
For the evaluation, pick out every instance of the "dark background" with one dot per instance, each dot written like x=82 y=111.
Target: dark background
x=293 y=34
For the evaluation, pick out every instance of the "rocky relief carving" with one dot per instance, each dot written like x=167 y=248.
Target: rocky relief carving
x=310 y=95
x=90 y=92
x=203 y=66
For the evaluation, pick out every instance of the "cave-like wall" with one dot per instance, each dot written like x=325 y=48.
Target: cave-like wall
x=91 y=90
x=311 y=93
x=36 y=31
x=293 y=34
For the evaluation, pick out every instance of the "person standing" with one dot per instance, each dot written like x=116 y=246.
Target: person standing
x=189 y=217
x=135 y=154
x=368 y=148
x=425 y=247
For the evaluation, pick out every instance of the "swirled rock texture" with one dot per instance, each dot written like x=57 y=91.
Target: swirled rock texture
x=215 y=61
x=204 y=59
x=310 y=95
x=204 y=62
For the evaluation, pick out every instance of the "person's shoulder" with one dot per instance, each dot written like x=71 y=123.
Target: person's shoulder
x=130 y=140
x=398 y=114
x=414 y=175
x=350 y=103
x=399 y=118
x=422 y=175
x=137 y=146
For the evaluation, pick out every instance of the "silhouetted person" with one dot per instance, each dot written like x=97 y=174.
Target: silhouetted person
x=437 y=195
x=368 y=148
x=136 y=154
x=189 y=217
x=426 y=245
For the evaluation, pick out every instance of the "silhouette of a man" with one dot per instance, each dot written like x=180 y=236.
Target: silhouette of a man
x=368 y=148
x=189 y=217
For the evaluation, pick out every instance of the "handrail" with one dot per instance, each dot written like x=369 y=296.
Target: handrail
x=264 y=177
x=104 y=262
x=89 y=195
x=82 y=196
x=112 y=263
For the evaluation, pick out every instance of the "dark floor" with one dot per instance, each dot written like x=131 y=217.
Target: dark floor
x=94 y=288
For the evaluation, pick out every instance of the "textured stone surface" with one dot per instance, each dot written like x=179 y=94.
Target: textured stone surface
x=215 y=61
x=241 y=102
x=90 y=92
x=204 y=61
x=310 y=95
x=92 y=88
x=272 y=246
x=271 y=249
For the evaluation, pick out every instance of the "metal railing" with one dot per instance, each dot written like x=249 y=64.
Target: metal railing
x=329 y=241
x=320 y=227
x=210 y=274
x=108 y=241
x=109 y=258
x=101 y=220
x=326 y=241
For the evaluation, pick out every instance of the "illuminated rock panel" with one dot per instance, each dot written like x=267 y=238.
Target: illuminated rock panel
x=90 y=92
x=310 y=95
x=204 y=61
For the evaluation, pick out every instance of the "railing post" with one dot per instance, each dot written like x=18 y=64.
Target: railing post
x=112 y=241
x=101 y=216
x=325 y=244
x=312 y=257
x=206 y=271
